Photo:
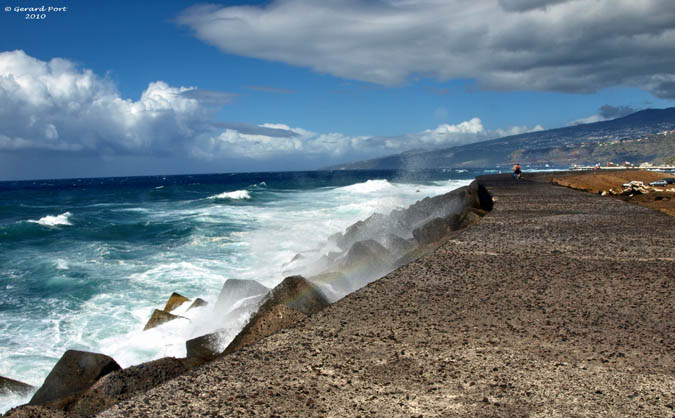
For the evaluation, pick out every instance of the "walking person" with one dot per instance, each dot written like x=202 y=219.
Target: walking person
x=516 y=171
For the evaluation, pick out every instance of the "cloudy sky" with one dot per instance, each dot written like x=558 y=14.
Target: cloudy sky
x=167 y=87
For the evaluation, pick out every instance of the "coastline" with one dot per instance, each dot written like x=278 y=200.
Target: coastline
x=547 y=306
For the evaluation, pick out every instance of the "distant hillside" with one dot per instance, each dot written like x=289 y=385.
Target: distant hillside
x=580 y=144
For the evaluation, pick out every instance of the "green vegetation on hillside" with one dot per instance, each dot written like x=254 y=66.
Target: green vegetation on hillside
x=656 y=149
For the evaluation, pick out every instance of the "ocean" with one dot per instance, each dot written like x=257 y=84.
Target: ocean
x=85 y=261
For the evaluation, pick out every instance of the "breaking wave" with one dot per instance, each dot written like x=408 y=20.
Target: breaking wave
x=235 y=195
x=369 y=186
x=62 y=219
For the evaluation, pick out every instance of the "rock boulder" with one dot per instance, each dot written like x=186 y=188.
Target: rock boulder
x=235 y=290
x=333 y=284
x=366 y=258
x=123 y=384
x=396 y=245
x=74 y=373
x=291 y=301
x=438 y=229
x=160 y=317
x=263 y=324
x=297 y=293
x=175 y=300
x=198 y=303
x=8 y=385
x=206 y=347
x=433 y=231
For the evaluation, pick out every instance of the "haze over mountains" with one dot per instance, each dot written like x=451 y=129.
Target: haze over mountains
x=633 y=138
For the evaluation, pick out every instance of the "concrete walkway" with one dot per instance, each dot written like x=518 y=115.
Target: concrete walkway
x=557 y=303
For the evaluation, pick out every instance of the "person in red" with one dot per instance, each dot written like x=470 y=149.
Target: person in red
x=516 y=171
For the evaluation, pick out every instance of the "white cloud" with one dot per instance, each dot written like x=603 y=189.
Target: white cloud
x=588 y=119
x=336 y=145
x=605 y=112
x=517 y=130
x=57 y=107
x=466 y=132
x=445 y=134
x=284 y=141
x=576 y=46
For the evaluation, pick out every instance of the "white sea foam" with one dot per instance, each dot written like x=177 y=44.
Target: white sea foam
x=62 y=219
x=369 y=186
x=61 y=264
x=139 y=210
x=235 y=195
x=168 y=339
x=9 y=399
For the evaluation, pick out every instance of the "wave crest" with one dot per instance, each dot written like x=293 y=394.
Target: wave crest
x=235 y=195
x=369 y=186
x=62 y=219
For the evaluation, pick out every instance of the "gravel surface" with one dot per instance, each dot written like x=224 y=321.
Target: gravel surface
x=660 y=198
x=557 y=303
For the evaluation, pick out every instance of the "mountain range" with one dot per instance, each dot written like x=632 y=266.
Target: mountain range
x=642 y=136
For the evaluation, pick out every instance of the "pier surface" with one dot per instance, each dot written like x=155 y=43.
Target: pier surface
x=557 y=303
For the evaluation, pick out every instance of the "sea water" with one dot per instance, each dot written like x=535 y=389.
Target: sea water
x=83 y=262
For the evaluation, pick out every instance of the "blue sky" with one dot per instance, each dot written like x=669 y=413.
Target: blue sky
x=168 y=87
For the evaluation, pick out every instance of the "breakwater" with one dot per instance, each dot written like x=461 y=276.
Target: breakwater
x=551 y=305
x=363 y=260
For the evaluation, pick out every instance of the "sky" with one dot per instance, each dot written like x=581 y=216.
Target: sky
x=115 y=88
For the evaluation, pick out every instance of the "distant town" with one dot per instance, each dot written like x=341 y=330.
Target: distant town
x=655 y=144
